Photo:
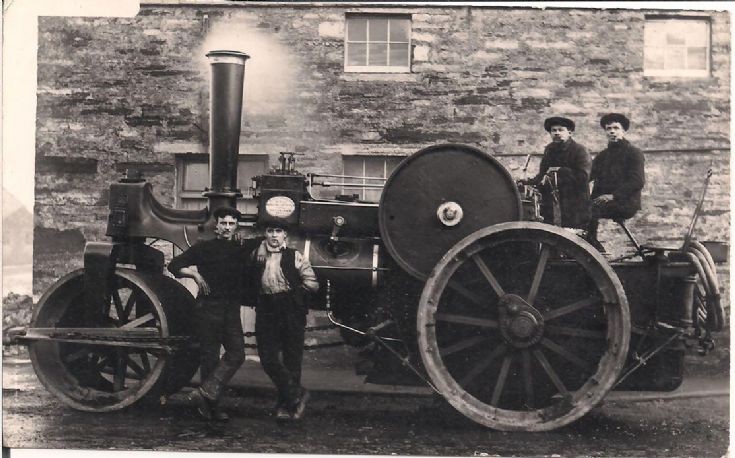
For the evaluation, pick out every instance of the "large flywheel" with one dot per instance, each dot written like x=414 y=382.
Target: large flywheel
x=523 y=326
x=136 y=346
x=438 y=196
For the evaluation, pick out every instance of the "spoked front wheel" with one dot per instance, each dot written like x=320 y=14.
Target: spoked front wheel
x=105 y=359
x=523 y=326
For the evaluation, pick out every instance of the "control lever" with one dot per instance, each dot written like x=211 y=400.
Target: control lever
x=338 y=222
x=525 y=165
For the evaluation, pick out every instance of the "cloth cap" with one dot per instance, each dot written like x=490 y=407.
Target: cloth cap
x=615 y=117
x=221 y=212
x=558 y=121
x=275 y=224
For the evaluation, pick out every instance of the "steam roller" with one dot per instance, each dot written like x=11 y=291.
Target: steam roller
x=518 y=323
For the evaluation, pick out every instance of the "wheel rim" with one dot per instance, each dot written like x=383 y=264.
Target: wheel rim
x=100 y=377
x=523 y=326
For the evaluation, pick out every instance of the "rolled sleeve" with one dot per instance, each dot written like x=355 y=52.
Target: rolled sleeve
x=306 y=272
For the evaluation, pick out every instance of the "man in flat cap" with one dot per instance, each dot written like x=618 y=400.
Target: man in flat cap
x=220 y=265
x=565 y=164
x=618 y=175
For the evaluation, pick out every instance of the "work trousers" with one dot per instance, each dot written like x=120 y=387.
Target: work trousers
x=610 y=210
x=218 y=324
x=280 y=325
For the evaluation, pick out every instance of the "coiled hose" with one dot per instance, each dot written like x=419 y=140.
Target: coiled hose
x=702 y=260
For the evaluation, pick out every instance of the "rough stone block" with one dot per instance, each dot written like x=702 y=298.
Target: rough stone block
x=421 y=53
x=334 y=30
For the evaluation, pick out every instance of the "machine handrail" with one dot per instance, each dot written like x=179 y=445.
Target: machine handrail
x=345 y=176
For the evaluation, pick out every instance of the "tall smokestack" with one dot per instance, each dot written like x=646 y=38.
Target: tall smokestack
x=225 y=114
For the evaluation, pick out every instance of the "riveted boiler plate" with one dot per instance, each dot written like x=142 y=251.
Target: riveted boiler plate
x=438 y=196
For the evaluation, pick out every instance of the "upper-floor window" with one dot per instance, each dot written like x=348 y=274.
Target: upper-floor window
x=372 y=172
x=377 y=43
x=677 y=47
x=192 y=176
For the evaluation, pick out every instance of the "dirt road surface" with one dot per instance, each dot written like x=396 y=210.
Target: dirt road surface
x=358 y=423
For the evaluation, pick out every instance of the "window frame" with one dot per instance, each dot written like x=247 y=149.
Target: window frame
x=377 y=68
x=680 y=72
x=182 y=160
x=363 y=191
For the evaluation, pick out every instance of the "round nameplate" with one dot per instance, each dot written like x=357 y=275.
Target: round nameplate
x=280 y=206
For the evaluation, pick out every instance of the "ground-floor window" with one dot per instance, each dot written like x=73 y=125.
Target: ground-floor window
x=192 y=176
x=372 y=170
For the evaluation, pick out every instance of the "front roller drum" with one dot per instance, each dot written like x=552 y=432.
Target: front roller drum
x=136 y=347
x=523 y=326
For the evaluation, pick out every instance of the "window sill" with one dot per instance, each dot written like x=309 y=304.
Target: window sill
x=398 y=77
x=677 y=75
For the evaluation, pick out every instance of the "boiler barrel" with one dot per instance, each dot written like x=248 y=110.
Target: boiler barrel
x=357 y=262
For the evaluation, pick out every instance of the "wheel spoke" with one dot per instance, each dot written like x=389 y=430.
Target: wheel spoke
x=463 y=319
x=540 y=267
x=500 y=384
x=573 y=307
x=145 y=361
x=462 y=345
x=488 y=275
x=118 y=381
x=573 y=332
x=130 y=303
x=484 y=364
x=135 y=367
x=119 y=309
x=138 y=321
x=527 y=378
x=467 y=293
x=551 y=373
x=566 y=354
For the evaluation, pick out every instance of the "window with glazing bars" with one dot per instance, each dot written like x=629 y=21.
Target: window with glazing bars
x=368 y=167
x=192 y=176
x=676 y=47
x=377 y=43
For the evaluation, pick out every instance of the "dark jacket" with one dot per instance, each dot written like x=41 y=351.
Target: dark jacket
x=574 y=165
x=619 y=170
x=222 y=264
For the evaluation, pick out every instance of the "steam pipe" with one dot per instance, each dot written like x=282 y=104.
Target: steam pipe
x=225 y=116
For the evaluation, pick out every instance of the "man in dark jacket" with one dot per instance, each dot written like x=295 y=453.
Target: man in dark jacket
x=618 y=175
x=286 y=277
x=565 y=165
x=220 y=266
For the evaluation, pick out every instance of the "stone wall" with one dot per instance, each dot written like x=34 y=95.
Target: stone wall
x=119 y=92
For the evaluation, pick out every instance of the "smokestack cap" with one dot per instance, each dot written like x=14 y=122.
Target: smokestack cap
x=229 y=57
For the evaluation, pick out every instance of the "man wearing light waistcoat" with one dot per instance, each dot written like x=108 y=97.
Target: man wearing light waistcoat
x=286 y=279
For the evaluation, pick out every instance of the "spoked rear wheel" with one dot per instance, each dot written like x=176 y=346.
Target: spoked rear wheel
x=523 y=326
